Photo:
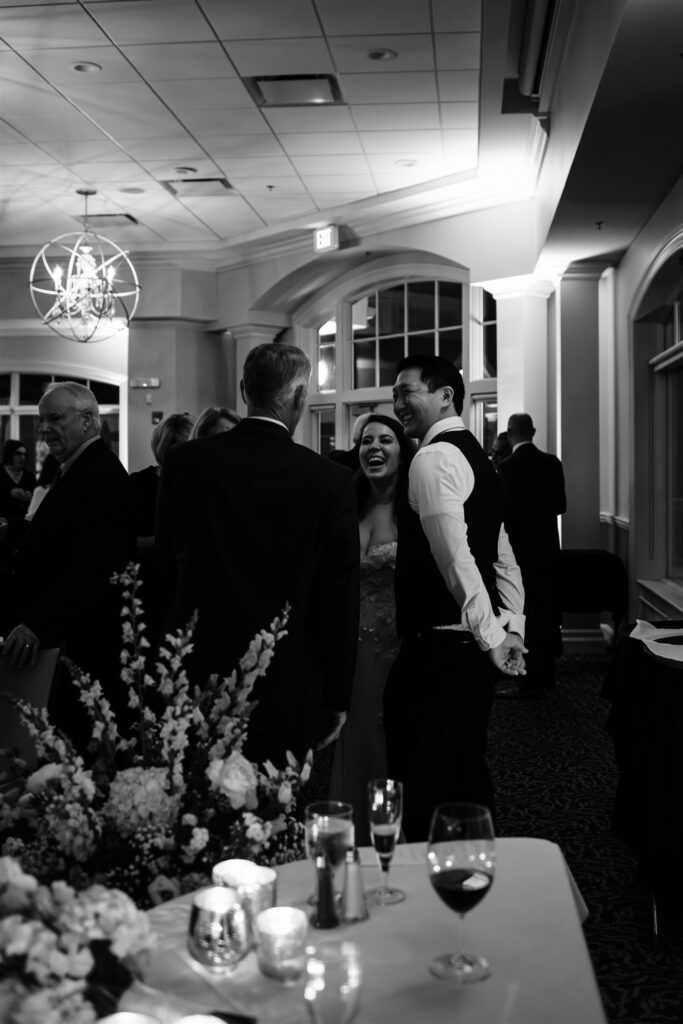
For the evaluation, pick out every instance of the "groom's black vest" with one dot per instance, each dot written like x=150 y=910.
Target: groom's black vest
x=422 y=597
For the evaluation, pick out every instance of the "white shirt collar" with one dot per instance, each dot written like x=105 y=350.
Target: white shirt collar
x=79 y=451
x=441 y=426
x=269 y=419
x=519 y=445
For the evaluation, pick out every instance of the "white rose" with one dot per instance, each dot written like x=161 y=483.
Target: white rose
x=284 y=793
x=236 y=779
x=41 y=778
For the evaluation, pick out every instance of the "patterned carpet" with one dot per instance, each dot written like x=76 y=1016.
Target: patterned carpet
x=555 y=777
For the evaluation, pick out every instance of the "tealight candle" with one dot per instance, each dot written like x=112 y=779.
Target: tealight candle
x=256 y=886
x=281 y=942
x=218 y=933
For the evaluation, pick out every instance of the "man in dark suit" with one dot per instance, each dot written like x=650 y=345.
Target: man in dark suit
x=248 y=521
x=59 y=593
x=534 y=482
x=459 y=601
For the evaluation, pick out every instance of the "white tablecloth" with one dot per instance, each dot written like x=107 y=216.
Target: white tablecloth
x=528 y=926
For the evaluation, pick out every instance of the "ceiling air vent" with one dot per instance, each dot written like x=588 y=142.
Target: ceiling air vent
x=108 y=220
x=195 y=187
x=294 y=90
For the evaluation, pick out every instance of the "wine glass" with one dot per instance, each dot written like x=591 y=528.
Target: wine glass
x=329 y=831
x=461 y=861
x=385 y=807
x=333 y=979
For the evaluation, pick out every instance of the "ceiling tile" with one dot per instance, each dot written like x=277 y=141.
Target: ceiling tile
x=48 y=27
x=385 y=116
x=312 y=165
x=460 y=115
x=404 y=143
x=214 y=122
x=340 y=183
x=85 y=150
x=21 y=154
x=24 y=100
x=414 y=53
x=241 y=145
x=70 y=126
x=373 y=18
x=463 y=16
x=169 y=61
x=140 y=124
x=290 y=186
x=257 y=167
x=328 y=200
x=458 y=50
x=390 y=87
x=57 y=65
x=164 y=170
x=117 y=98
x=460 y=141
x=181 y=149
x=8 y=134
x=428 y=165
x=265 y=19
x=204 y=94
x=394 y=182
x=275 y=208
x=225 y=215
x=309 y=119
x=323 y=143
x=151 y=21
x=255 y=57
x=458 y=85
x=119 y=172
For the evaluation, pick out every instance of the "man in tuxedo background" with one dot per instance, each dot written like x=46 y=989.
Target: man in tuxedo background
x=58 y=592
x=534 y=482
x=459 y=601
x=248 y=520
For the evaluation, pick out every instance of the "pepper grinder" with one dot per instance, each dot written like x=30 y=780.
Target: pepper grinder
x=354 y=907
x=325 y=914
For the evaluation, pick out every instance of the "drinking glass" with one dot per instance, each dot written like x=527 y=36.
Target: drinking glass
x=385 y=808
x=333 y=980
x=461 y=862
x=329 y=831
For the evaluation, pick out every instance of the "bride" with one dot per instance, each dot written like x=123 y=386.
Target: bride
x=385 y=455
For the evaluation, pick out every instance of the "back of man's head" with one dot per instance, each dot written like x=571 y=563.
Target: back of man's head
x=520 y=427
x=272 y=373
x=437 y=372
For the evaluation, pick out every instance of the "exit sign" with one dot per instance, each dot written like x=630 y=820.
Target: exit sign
x=325 y=239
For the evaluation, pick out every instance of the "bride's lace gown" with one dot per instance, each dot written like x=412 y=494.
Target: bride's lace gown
x=360 y=754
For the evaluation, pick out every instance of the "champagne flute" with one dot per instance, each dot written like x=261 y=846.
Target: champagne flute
x=385 y=808
x=461 y=862
x=329 y=831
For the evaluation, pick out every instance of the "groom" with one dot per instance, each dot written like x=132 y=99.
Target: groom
x=248 y=520
x=459 y=601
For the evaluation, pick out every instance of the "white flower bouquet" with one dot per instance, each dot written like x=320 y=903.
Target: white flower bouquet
x=173 y=796
x=65 y=957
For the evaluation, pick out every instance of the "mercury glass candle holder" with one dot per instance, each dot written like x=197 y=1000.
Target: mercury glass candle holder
x=281 y=943
x=218 y=932
x=256 y=887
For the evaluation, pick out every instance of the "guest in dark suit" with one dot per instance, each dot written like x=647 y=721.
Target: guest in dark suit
x=459 y=601
x=248 y=520
x=534 y=482
x=59 y=592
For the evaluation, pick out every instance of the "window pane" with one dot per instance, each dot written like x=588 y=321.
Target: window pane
x=364 y=317
x=450 y=304
x=4 y=431
x=106 y=394
x=489 y=305
x=490 y=351
x=364 y=364
x=324 y=430
x=391 y=310
x=110 y=431
x=490 y=423
x=5 y=380
x=450 y=346
x=421 y=306
x=31 y=387
x=327 y=335
x=421 y=345
x=390 y=351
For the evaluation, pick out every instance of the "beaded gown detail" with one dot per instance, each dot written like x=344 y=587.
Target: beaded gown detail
x=360 y=754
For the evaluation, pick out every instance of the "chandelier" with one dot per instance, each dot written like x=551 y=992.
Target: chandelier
x=82 y=285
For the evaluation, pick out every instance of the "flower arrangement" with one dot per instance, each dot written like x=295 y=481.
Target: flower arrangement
x=65 y=957
x=175 y=795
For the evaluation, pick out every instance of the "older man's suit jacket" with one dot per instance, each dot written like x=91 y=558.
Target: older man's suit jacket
x=247 y=521
x=59 y=583
x=534 y=484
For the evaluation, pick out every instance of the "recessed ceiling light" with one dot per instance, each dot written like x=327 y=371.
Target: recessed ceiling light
x=185 y=170
x=382 y=54
x=132 y=190
x=406 y=163
x=87 y=67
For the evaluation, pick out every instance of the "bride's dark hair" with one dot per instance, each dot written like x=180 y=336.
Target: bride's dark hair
x=407 y=452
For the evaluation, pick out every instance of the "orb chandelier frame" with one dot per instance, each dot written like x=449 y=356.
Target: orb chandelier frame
x=83 y=286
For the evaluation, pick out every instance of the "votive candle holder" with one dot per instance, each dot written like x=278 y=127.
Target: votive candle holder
x=255 y=885
x=281 y=943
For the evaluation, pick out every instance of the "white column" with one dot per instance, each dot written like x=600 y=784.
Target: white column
x=248 y=336
x=522 y=350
